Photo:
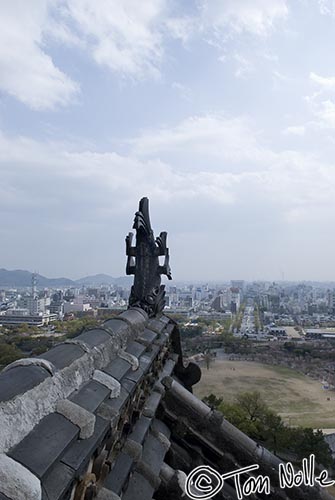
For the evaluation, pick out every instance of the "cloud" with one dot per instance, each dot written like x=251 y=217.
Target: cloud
x=182 y=28
x=220 y=22
x=129 y=38
x=55 y=175
x=184 y=91
x=27 y=72
x=35 y=171
x=325 y=113
x=224 y=18
x=83 y=201
x=235 y=164
x=324 y=83
x=298 y=130
x=210 y=136
x=243 y=66
x=321 y=103
x=327 y=7
x=123 y=36
x=257 y=17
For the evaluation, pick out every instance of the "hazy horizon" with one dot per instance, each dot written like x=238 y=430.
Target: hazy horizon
x=221 y=112
x=179 y=281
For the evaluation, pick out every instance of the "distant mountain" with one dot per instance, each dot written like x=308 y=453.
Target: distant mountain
x=21 y=278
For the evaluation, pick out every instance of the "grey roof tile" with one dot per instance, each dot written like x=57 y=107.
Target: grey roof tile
x=128 y=385
x=135 y=348
x=44 y=445
x=140 y=429
x=156 y=325
x=135 y=376
x=57 y=484
x=116 y=325
x=153 y=454
x=151 y=404
x=146 y=337
x=168 y=367
x=138 y=487
x=79 y=453
x=159 y=426
x=63 y=355
x=20 y=379
x=147 y=358
x=117 y=368
x=90 y=396
x=117 y=404
x=118 y=476
x=162 y=339
x=134 y=315
x=94 y=337
x=164 y=319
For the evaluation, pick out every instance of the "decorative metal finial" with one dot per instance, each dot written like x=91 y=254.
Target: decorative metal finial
x=143 y=261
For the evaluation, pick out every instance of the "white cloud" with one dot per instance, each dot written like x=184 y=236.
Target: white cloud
x=324 y=83
x=49 y=175
x=257 y=17
x=325 y=112
x=298 y=130
x=212 y=136
x=97 y=185
x=218 y=21
x=26 y=71
x=32 y=173
x=321 y=102
x=182 y=28
x=183 y=91
x=123 y=36
x=294 y=182
x=127 y=37
x=243 y=66
x=327 y=7
x=84 y=200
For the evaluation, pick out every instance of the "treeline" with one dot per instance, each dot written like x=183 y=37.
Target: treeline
x=74 y=327
x=20 y=341
x=251 y=415
x=239 y=317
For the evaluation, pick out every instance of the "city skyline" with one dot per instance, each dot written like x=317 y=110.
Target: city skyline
x=222 y=113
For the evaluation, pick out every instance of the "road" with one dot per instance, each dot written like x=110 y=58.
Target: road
x=248 y=323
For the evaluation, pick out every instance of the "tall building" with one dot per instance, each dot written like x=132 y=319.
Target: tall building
x=237 y=284
x=235 y=299
x=331 y=301
x=219 y=303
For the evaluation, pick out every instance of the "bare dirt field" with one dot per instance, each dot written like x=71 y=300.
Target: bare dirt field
x=299 y=399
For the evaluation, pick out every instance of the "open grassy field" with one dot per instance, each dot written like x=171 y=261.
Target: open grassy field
x=299 y=399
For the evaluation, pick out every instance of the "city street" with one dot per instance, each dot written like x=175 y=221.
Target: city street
x=248 y=323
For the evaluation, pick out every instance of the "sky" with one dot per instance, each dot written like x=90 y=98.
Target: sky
x=221 y=112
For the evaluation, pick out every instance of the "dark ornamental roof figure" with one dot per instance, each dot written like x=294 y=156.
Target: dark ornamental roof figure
x=143 y=261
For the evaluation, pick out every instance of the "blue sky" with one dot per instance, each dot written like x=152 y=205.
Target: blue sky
x=222 y=112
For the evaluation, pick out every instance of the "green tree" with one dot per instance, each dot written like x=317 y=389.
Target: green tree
x=251 y=415
x=252 y=404
x=8 y=354
x=213 y=401
x=303 y=441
